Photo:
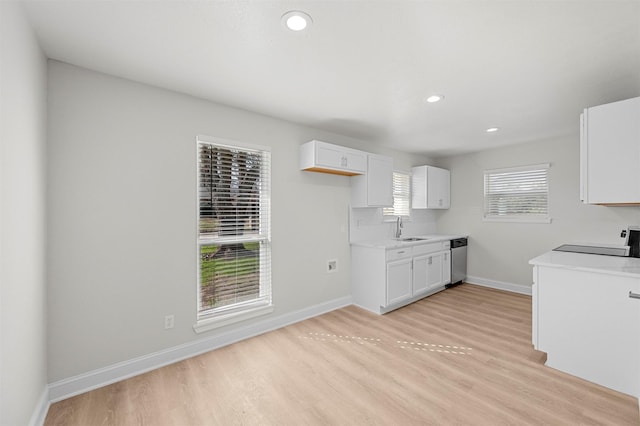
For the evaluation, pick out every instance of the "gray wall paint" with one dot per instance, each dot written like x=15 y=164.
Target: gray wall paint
x=22 y=219
x=501 y=251
x=122 y=216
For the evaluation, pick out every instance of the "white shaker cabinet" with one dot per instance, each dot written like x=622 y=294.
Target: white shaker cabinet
x=431 y=266
x=375 y=188
x=430 y=188
x=318 y=156
x=610 y=153
x=387 y=279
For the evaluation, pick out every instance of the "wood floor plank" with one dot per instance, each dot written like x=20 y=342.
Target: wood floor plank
x=462 y=356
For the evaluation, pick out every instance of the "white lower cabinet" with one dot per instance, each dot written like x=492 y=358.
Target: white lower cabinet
x=588 y=325
x=387 y=279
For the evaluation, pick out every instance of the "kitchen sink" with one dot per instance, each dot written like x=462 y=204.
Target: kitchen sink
x=411 y=239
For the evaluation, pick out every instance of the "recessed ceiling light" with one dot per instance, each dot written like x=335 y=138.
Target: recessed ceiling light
x=296 y=20
x=434 y=98
x=492 y=129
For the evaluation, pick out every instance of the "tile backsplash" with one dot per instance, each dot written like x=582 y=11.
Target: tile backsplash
x=368 y=224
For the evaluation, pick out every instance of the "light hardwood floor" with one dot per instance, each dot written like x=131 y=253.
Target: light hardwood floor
x=459 y=357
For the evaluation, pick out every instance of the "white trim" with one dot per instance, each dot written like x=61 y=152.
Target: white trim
x=499 y=285
x=41 y=409
x=85 y=382
x=228 y=143
x=221 y=320
x=519 y=168
x=517 y=219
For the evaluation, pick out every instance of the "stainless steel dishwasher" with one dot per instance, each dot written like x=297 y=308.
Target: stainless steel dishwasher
x=458 y=260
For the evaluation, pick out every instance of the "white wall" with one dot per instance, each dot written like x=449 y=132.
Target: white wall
x=22 y=221
x=122 y=216
x=500 y=252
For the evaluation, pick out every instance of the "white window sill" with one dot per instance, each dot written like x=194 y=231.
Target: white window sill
x=222 y=320
x=517 y=219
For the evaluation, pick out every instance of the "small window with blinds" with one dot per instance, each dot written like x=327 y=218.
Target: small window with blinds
x=234 y=238
x=517 y=194
x=401 y=196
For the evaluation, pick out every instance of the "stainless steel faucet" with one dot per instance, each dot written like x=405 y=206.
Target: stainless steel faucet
x=399 y=227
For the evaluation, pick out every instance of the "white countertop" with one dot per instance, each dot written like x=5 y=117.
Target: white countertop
x=393 y=243
x=615 y=265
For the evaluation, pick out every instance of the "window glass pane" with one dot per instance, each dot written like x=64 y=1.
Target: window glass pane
x=229 y=274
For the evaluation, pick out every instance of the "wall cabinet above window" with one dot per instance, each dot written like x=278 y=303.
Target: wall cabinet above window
x=318 y=156
x=430 y=188
x=610 y=153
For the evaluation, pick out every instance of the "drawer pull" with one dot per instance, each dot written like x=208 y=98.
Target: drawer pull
x=634 y=295
x=401 y=252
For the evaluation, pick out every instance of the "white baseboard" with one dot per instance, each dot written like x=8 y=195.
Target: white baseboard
x=76 y=385
x=41 y=409
x=499 y=285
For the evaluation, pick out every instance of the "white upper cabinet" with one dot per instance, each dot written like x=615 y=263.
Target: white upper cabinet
x=317 y=156
x=375 y=188
x=610 y=153
x=430 y=188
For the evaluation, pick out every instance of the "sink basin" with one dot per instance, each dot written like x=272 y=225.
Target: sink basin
x=411 y=239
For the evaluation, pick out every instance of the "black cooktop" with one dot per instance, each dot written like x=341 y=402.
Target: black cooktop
x=607 y=251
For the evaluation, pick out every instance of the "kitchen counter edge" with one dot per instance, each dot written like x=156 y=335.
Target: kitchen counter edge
x=391 y=243
x=612 y=265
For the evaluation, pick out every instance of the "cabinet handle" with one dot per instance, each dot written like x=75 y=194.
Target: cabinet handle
x=634 y=295
x=401 y=252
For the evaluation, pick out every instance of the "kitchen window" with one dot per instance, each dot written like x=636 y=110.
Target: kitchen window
x=234 y=236
x=517 y=194
x=401 y=196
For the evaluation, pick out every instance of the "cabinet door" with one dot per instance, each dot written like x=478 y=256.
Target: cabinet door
x=419 y=187
x=398 y=281
x=438 y=188
x=340 y=158
x=420 y=266
x=434 y=270
x=610 y=153
x=380 y=181
x=446 y=267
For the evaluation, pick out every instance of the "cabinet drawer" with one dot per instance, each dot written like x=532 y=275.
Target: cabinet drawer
x=428 y=248
x=399 y=253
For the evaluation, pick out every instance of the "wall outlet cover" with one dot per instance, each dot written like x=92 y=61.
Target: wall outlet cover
x=332 y=265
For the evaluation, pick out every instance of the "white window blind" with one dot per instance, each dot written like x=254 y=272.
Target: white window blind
x=401 y=196
x=517 y=194
x=234 y=238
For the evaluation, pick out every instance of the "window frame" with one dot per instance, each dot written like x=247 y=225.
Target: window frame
x=518 y=217
x=262 y=305
x=389 y=213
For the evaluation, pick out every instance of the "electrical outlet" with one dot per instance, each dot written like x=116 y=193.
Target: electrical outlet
x=168 y=322
x=332 y=265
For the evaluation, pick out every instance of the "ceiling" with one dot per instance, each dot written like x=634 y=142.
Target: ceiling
x=364 y=68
